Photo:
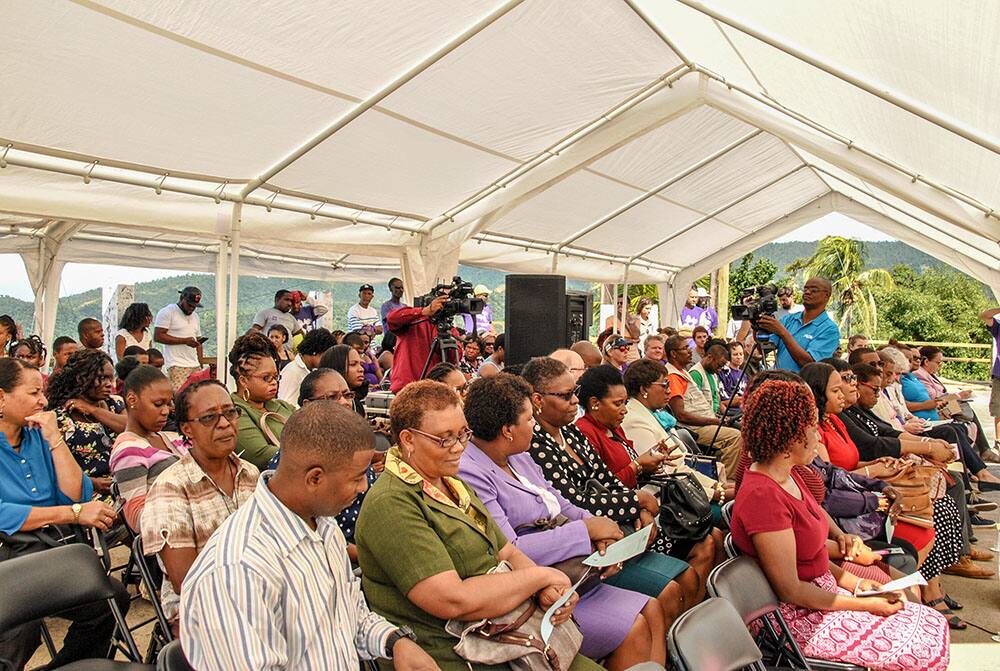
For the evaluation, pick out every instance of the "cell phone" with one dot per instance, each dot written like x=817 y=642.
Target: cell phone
x=203 y=339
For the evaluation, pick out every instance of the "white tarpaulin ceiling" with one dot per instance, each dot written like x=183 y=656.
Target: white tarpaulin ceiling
x=602 y=139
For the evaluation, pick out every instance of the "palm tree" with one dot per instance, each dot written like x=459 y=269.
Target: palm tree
x=842 y=261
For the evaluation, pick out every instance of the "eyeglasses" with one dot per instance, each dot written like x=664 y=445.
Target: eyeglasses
x=869 y=385
x=447 y=442
x=848 y=377
x=212 y=419
x=335 y=396
x=564 y=395
x=267 y=378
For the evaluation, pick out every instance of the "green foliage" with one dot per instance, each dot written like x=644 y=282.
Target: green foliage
x=749 y=273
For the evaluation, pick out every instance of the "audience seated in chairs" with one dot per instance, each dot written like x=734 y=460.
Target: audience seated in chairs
x=89 y=416
x=550 y=530
x=311 y=349
x=254 y=367
x=144 y=450
x=777 y=522
x=191 y=498
x=43 y=488
x=419 y=510
x=451 y=375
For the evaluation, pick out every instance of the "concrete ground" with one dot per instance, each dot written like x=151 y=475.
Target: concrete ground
x=971 y=650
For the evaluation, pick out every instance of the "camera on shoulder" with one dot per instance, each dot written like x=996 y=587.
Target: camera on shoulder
x=754 y=304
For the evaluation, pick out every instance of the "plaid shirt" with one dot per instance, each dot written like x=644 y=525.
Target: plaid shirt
x=184 y=507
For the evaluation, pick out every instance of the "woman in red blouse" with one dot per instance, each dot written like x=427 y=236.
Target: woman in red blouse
x=777 y=522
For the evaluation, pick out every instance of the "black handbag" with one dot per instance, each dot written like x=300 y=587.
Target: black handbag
x=21 y=543
x=685 y=511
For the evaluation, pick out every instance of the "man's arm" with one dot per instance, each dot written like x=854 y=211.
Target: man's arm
x=160 y=335
x=354 y=322
x=685 y=417
x=800 y=355
x=989 y=315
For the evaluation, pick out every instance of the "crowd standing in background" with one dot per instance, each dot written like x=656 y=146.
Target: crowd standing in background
x=487 y=483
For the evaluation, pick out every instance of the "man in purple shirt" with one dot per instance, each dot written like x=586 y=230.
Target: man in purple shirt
x=990 y=318
x=691 y=314
x=394 y=303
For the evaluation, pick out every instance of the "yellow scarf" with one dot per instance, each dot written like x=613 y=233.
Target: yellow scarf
x=394 y=464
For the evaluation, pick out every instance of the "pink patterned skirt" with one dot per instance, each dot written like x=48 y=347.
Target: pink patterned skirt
x=914 y=639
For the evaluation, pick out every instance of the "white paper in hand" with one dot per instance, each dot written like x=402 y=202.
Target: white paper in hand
x=897 y=585
x=547 y=626
x=623 y=550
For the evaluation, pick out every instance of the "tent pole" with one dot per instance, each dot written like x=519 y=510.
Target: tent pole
x=717 y=212
x=235 y=226
x=649 y=194
x=221 y=309
x=656 y=29
x=378 y=96
x=858 y=81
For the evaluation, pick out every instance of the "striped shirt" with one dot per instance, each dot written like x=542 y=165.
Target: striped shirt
x=268 y=592
x=135 y=465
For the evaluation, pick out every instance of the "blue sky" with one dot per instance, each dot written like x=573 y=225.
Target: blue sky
x=81 y=277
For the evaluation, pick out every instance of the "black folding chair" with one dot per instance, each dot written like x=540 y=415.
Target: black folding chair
x=741 y=582
x=694 y=643
x=47 y=583
x=730 y=546
x=172 y=658
x=161 y=634
x=727 y=513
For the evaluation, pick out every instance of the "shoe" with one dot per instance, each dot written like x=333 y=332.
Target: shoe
x=991 y=456
x=954 y=621
x=978 y=521
x=973 y=540
x=987 y=486
x=980 y=555
x=977 y=504
x=966 y=569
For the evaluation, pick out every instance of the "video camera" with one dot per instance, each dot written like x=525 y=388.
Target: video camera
x=460 y=301
x=754 y=304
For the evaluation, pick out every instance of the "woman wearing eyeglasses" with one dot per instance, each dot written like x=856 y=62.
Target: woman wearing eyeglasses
x=90 y=417
x=254 y=365
x=191 y=498
x=427 y=544
x=451 y=375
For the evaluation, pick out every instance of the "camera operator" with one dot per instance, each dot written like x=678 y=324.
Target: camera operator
x=802 y=337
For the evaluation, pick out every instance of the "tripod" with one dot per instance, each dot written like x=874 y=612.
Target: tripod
x=757 y=346
x=444 y=342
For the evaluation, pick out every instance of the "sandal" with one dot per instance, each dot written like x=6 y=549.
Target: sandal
x=952 y=604
x=954 y=621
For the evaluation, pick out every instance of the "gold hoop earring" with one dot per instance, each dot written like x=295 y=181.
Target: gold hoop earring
x=245 y=395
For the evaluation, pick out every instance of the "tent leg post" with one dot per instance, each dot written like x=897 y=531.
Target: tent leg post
x=221 y=309
x=235 y=227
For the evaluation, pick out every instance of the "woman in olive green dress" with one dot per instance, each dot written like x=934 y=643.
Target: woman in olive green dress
x=253 y=363
x=426 y=542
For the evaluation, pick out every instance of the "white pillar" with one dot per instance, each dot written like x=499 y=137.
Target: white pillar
x=221 y=310
x=235 y=227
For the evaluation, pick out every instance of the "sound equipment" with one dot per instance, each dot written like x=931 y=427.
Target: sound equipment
x=542 y=317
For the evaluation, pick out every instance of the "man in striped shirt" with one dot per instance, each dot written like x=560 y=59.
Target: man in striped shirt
x=273 y=588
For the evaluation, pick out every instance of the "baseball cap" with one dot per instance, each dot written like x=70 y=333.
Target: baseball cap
x=702 y=293
x=613 y=343
x=480 y=289
x=192 y=295
x=366 y=287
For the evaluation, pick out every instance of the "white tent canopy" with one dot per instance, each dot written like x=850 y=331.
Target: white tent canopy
x=609 y=140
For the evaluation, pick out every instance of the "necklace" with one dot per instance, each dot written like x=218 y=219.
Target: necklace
x=232 y=502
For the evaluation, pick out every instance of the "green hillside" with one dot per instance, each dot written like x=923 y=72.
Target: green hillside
x=256 y=293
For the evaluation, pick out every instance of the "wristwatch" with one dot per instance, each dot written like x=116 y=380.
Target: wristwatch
x=402 y=632
x=77 y=509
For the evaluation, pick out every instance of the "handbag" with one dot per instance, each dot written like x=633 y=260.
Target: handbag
x=707 y=466
x=266 y=430
x=919 y=486
x=685 y=512
x=21 y=543
x=515 y=638
x=573 y=567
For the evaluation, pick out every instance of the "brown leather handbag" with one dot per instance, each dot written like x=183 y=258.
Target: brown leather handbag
x=919 y=486
x=515 y=638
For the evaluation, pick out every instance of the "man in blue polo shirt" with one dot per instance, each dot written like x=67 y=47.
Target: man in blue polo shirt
x=807 y=336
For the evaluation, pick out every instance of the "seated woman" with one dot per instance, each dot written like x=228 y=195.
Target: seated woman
x=345 y=360
x=542 y=523
x=361 y=342
x=574 y=468
x=253 y=365
x=419 y=510
x=144 y=450
x=451 y=375
x=326 y=384
x=191 y=498
x=89 y=416
x=778 y=523
x=42 y=484
x=278 y=335
x=942 y=545
x=646 y=386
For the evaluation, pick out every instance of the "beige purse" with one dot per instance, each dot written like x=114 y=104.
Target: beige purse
x=266 y=430
x=515 y=638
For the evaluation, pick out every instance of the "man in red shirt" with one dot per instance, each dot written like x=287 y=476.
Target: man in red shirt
x=416 y=334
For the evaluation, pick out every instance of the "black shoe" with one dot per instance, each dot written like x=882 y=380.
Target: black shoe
x=988 y=486
x=973 y=540
x=981 y=507
x=978 y=521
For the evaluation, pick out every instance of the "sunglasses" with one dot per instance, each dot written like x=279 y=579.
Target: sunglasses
x=848 y=377
x=564 y=395
x=212 y=419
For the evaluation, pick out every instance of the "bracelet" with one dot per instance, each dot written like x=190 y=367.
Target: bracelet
x=924 y=439
x=867 y=474
x=635 y=466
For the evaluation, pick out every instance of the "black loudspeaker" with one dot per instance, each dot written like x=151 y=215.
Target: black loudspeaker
x=580 y=305
x=537 y=316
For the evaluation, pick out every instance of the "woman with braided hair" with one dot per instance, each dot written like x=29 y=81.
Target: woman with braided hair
x=253 y=363
x=89 y=416
x=31 y=350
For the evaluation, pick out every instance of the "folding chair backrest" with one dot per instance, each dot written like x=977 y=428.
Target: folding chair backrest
x=727 y=513
x=741 y=582
x=730 y=546
x=172 y=658
x=697 y=643
x=47 y=582
x=152 y=586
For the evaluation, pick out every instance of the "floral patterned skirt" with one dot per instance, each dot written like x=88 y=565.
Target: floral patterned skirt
x=914 y=639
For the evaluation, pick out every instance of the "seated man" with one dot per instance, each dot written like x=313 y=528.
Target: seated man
x=693 y=411
x=274 y=589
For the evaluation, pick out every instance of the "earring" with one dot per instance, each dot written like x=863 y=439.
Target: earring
x=1 y=412
x=787 y=455
x=510 y=438
x=645 y=395
x=245 y=395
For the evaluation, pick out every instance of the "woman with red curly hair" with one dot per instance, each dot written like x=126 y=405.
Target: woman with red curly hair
x=777 y=522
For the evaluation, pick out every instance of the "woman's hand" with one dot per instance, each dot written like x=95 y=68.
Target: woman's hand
x=97 y=514
x=881 y=605
x=650 y=461
x=80 y=405
x=849 y=545
x=646 y=519
x=914 y=426
x=866 y=557
x=47 y=422
x=603 y=532
x=648 y=502
x=550 y=595
x=102 y=485
x=941 y=452
x=965 y=394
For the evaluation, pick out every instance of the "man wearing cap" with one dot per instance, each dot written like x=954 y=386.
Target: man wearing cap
x=708 y=318
x=786 y=303
x=361 y=315
x=306 y=313
x=178 y=329
x=484 y=320
x=616 y=351
x=279 y=315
